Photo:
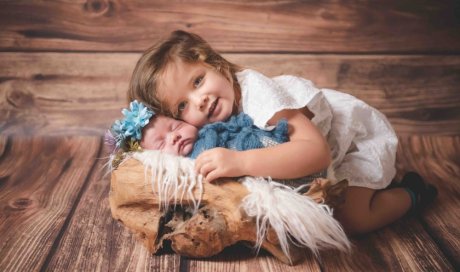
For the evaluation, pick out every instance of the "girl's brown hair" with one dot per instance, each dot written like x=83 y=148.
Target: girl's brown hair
x=182 y=45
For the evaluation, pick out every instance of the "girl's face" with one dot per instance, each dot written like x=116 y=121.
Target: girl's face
x=196 y=93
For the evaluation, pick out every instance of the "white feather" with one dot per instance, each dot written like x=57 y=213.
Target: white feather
x=294 y=217
x=173 y=177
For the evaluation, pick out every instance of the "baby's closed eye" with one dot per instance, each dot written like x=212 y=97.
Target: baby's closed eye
x=161 y=145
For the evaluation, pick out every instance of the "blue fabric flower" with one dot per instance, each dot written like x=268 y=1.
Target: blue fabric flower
x=135 y=118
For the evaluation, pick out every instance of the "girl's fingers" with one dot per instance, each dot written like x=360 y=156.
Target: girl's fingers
x=199 y=163
x=201 y=160
x=212 y=176
x=206 y=169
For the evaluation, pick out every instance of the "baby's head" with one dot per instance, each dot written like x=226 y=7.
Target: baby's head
x=185 y=78
x=141 y=128
x=168 y=135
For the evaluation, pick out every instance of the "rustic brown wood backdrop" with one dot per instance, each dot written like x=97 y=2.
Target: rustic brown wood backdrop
x=64 y=71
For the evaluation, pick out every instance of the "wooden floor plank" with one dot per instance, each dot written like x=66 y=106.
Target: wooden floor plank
x=94 y=241
x=78 y=248
x=437 y=159
x=403 y=246
x=40 y=179
x=243 y=258
x=233 y=26
x=57 y=94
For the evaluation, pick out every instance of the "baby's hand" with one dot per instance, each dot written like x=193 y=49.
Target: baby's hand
x=219 y=162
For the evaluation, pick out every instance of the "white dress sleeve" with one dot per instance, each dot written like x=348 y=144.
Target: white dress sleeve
x=263 y=97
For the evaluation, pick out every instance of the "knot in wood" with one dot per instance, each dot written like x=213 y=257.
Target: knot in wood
x=19 y=98
x=99 y=7
x=21 y=203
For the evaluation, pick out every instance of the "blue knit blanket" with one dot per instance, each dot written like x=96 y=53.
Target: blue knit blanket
x=238 y=133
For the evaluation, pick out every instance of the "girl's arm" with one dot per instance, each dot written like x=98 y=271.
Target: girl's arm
x=307 y=152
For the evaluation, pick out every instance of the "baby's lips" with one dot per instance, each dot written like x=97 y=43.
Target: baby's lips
x=181 y=146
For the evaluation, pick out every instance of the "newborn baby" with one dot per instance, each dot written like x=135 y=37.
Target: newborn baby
x=180 y=138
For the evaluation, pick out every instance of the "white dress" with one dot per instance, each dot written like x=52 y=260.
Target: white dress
x=363 y=143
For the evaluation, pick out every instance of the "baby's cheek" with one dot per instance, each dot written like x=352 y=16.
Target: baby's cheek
x=143 y=144
x=146 y=145
x=170 y=150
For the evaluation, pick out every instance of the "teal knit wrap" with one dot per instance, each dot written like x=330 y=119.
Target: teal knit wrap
x=238 y=133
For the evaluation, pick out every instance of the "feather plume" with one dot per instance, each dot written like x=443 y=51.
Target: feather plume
x=294 y=217
x=172 y=177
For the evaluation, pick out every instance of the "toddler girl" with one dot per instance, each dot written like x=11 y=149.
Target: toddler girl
x=185 y=78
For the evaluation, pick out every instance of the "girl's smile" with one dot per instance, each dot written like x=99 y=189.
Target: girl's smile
x=196 y=93
x=213 y=109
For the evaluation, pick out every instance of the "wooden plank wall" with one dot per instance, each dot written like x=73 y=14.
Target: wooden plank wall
x=64 y=71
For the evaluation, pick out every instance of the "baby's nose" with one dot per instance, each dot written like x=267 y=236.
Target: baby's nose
x=175 y=137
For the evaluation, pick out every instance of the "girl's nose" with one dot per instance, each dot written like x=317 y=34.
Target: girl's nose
x=202 y=102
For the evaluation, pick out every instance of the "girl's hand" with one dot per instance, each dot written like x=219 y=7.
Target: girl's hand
x=219 y=162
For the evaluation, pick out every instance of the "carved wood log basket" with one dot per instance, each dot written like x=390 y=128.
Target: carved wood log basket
x=202 y=219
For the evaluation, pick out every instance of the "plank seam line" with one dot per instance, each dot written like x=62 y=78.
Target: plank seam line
x=447 y=254
x=183 y=264
x=249 y=52
x=66 y=224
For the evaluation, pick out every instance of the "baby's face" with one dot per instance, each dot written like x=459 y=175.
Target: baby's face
x=169 y=135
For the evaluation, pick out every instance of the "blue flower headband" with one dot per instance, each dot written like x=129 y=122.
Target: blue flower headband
x=128 y=128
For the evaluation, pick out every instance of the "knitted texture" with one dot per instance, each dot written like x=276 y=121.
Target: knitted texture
x=238 y=133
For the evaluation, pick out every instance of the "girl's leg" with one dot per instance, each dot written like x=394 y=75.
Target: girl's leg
x=366 y=209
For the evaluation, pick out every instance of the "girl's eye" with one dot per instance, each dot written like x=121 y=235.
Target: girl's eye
x=197 y=81
x=181 y=107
